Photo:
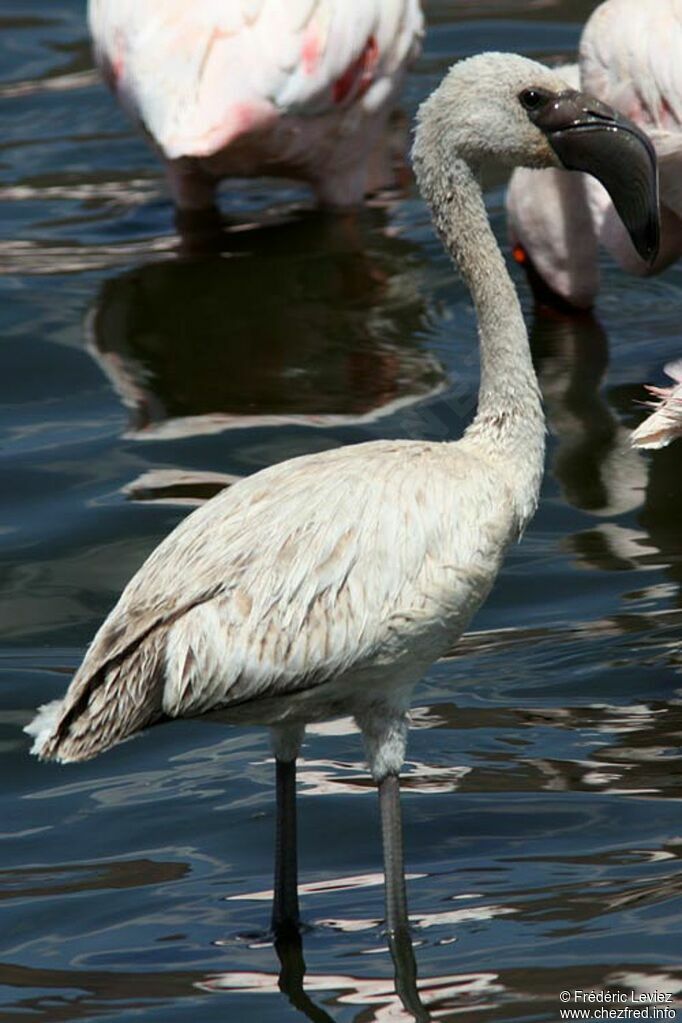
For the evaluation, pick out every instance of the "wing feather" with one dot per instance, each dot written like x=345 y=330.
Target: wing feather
x=664 y=425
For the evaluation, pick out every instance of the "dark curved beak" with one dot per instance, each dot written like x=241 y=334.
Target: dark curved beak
x=587 y=135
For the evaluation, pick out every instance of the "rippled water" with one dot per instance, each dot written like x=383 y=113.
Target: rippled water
x=542 y=798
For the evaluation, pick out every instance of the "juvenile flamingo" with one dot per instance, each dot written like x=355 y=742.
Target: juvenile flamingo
x=664 y=425
x=237 y=88
x=629 y=58
x=327 y=584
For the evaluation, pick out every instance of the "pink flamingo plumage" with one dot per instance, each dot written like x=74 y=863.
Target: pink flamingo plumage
x=237 y=88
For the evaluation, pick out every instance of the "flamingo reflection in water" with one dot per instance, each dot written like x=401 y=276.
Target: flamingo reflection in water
x=593 y=458
x=346 y=351
x=374 y=995
x=329 y=583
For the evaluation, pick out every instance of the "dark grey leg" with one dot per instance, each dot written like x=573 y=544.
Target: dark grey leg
x=397 y=923
x=394 y=867
x=285 y=914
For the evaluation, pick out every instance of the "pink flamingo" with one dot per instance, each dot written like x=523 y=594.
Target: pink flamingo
x=629 y=58
x=237 y=88
x=665 y=423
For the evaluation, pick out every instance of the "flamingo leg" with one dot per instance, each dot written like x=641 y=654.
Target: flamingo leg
x=197 y=216
x=394 y=866
x=285 y=912
x=397 y=923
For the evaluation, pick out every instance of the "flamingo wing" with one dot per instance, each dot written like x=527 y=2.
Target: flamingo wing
x=287 y=580
x=200 y=75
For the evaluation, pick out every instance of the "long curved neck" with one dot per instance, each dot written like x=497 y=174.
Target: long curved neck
x=509 y=423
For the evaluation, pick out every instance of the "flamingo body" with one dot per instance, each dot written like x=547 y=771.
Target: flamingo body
x=335 y=578
x=300 y=88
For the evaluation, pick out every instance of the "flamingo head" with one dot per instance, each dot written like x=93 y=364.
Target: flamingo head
x=499 y=108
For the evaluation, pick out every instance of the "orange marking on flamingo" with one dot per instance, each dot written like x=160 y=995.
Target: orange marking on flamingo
x=520 y=255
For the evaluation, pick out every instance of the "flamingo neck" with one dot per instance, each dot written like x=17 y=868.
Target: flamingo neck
x=509 y=425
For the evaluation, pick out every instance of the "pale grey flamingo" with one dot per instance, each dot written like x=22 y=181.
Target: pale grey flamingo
x=328 y=584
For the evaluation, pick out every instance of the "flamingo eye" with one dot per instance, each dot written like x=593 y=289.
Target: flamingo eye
x=533 y=99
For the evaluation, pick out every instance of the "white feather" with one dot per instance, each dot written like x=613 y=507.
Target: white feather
x=42 y=727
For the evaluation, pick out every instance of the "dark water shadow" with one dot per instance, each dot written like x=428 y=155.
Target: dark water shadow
x=314 y=321
x=40 y=882
x=598 y=470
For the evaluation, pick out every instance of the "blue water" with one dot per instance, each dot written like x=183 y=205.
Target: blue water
x=542 y=796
